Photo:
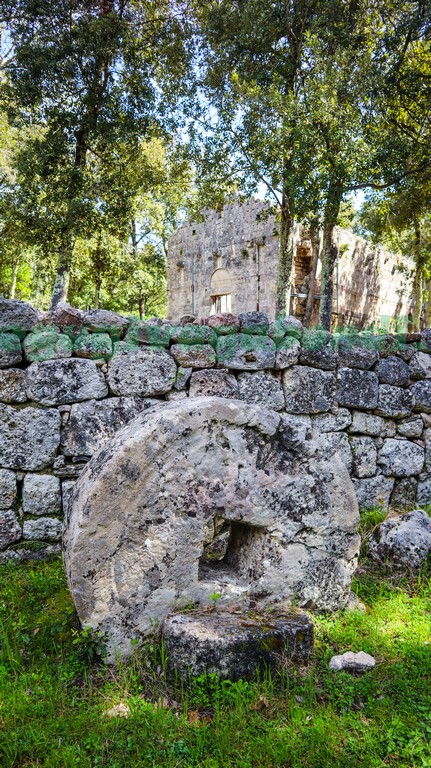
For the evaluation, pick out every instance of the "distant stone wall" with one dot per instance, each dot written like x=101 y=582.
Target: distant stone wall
x=69 y=380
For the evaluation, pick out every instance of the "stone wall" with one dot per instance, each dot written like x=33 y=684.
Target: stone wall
x=69 y=380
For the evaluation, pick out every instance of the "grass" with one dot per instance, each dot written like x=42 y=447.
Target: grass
x=55 y=695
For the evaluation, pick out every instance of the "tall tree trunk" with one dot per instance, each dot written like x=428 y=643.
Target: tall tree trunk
x=428 y=307
x=329 y=254
x=141 y=305
x=418 y=282
x=14 y=279
x=315 y=250
x=62 y=277
x=282 y=305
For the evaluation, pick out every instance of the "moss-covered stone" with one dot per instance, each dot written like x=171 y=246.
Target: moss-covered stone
x=93 y=346
x=47 y=344
x=10 y=350
x=149 y=333
x=195 y=334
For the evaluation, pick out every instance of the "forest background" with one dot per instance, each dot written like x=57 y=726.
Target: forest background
x=119 y=119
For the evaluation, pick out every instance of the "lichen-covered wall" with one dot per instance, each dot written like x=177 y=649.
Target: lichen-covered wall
x=69 y=380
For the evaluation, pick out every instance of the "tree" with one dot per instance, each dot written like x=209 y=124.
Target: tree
x=86 y=73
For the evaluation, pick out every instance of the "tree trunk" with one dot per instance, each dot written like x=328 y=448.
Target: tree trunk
x=315 y=250
x=329 y=254
x=282 y=307
x=141 y=306
x=61 y=285
x=418 y=282
x=14 y=280
x=428 y=307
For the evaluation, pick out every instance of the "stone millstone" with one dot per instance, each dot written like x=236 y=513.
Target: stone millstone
x=148 y=504
x=234 y=646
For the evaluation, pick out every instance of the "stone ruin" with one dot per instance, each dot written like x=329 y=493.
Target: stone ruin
x=204 y=497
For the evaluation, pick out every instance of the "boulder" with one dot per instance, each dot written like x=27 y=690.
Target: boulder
x=194 y=334
x=10 y=350
x=105 y=321
x=394 y=401
x=420 y=366
x=292 y=326
x=13 y=386
x=29 y=437
x=67 y=318
x=223 y=323
x=373 y=491
x=213 y=382
x=357 y=388
x=49 y=344
x=7 y=488
x=400 y=458
x=93 y=346
x=403 y=541
x=41 y=495
x=392 y=370
x=338 y=442
x=146 y=372
x=10 y=529
x=352 y=355
x=421 y=393
x=148 y=333
x=245 y=352
x=54 y=382
x=261 y=388
x=308 y=390
x=352 y=662
x=194 y=356
x=235 y=646
x=256 y=323
x=138 y=520
x=287 y=353
x=17 y=316
x=404 y=494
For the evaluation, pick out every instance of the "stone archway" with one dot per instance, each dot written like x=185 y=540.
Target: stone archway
x=145 y=516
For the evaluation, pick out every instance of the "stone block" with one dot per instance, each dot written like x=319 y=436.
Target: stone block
x=403 y=541
x=55 y=382
x=366 y=423
x=373 y=491
x=46 y=345
x=411 y=427
x=423 y=494
x=244 y=352
x=223 y=323
x=421 y=392
x=17 y=316
x=323 y=358
x=235 y=646
x=67 y=487
x=41 y=495
x=194 y=334
x=10 y=350
x=10 y=529
x=308 y=390
x=338 y=442
x=92 y=423
x=261 y=388
x=146 y=372
x=392 y=370
x=214 y=382
x=196 y=356
x=105 y=321
x=256 y=323
x=340 y=419
x=404 y=494
x=153 y=334
x=13 y=386
x=183 y=378
x=29 y=437
x=42 y=529
x=93 y=346
x=292 y=326
x=7 y=488
x=364 y=456
x=287 y=353
x=394 y=401
x=67 y=318
x=401 y=458
x=420 y=366
x=357 y=388
x=352 y=355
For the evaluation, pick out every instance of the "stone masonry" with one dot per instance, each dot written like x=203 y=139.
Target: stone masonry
x=69 y=380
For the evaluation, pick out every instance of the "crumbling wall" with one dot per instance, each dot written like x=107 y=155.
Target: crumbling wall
x=69 y=380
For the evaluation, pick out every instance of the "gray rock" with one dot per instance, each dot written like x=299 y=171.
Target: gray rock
x=213 y=382
x=67 y=487
x=426 y=337
x=411 y=427
x=13 y=386
x=7 y=488
x=404 y=541
x=389 y=428
x=357 y=388
x=29 y=437
x=175 y=395
x=146 y=372
x=394 y=401
x=421 y=392
x=324 y=358
x=10 y=529
x=93 y=346
x=292 y=326
x=423 y=494
x=223 y=323
x=404 y=493
x=183 y=378
x=364 y=456
x=17 y=316
x=67 y=318
x=355 y=604
x=194 y=335
x=354 y=356
x=105 y=321
x=42 y=529
x=373 y=491
x=149 y=333
x=47 y=344
x=235 y=646
x=10 y=350
x=27 y=554
x=41 y=495
x=308 y=390
x=338 y=442
x=352 y=662
x=295 y=429
x=254 y=322
x=194 y=356
x=92 y=423
x=138 y=521
x=287 y=353
x=332 y=422
x=261 y=388
x=366 y=423
x=244 y=352
x=392 y=370
x=401 y=458
x=65 y=381
x=420 y=366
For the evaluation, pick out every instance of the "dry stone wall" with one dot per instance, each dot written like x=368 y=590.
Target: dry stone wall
x=69 y=380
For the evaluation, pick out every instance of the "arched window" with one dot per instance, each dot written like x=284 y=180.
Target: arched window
x=221 y=291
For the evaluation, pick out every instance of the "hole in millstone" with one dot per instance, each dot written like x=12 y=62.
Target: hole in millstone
x=232 y=554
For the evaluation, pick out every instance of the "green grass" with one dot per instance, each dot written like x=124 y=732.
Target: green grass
x=54 y=696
